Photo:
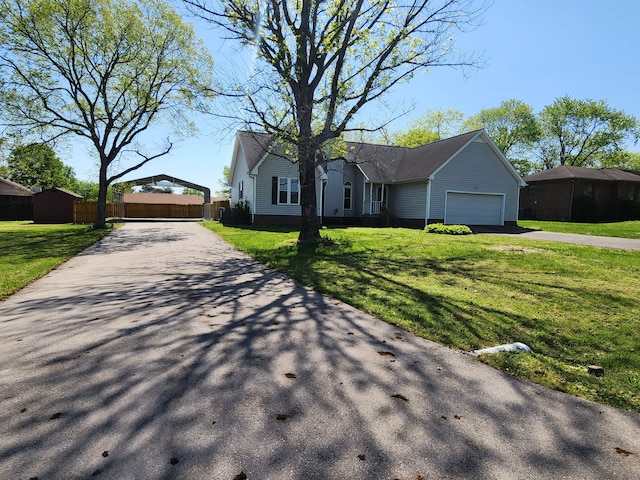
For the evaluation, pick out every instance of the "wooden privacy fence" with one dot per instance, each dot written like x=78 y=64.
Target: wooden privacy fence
x=217 y=205
x=162 y=210
x=85 y=212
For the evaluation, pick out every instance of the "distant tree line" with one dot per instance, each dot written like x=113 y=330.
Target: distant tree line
x=37 y=166
x=584 y=133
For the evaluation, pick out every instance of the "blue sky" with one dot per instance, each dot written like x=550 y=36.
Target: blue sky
x=536 y=51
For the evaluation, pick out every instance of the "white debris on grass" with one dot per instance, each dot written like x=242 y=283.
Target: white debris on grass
x=508 y=347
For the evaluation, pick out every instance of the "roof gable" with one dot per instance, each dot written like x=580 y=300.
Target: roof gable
x=68 y=192
x=390 y=164
x=255 y=147
x=19 y=190
x=423 y=162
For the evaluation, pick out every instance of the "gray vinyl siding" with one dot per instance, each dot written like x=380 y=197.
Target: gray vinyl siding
x=475 y=170
x=241 y=174
x=337 y=175
x=408 y=200
x=276 y=166
x=354 y=175
x=333 y=196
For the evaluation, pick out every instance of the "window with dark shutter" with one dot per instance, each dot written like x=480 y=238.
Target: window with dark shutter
x=274 y=190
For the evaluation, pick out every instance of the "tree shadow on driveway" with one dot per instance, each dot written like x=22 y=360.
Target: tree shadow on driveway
x=162 y=352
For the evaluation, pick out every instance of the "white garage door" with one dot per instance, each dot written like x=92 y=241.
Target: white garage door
x=474 y=209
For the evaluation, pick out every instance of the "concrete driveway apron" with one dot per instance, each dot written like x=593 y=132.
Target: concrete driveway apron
x=163 y=353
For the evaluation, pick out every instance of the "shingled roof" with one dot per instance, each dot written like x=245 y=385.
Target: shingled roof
x=388 y=164
x=14 y=188
x=379 y=163
x=255 y=146
x=567 y=172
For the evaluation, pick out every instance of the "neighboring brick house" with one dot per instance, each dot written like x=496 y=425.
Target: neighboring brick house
x=578 y=194
x=16 y=202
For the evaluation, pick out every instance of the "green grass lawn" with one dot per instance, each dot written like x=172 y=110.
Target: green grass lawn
x=28 y=251
x=618 y=229
x=573 y=305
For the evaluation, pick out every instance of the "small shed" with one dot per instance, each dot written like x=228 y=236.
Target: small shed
x=15 y=201
x=54 y=205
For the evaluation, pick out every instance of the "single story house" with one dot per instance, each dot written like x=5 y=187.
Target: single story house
x=578 y=194
x=54 y=205
x=16 y=201
x=460 y=180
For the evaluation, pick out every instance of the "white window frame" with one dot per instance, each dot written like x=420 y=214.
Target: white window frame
x=289 y=181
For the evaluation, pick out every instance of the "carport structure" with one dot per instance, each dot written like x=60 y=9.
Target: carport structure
x=164 y=180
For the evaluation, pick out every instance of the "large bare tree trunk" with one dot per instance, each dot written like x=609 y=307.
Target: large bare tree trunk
x=101 y=214
x=310 y=223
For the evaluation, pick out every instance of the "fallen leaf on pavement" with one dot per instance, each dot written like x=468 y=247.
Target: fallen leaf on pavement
x=55 y=416
x=400 y=396
x=624 y=452
x=240 y=476
x=105 y=454
x=362 y=457
x=282 y=417
x=174 y=461
x=386 y=353
x=290 y=375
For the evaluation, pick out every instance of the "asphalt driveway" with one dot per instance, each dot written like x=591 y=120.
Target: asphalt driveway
x=163 y=353
x=590 y=240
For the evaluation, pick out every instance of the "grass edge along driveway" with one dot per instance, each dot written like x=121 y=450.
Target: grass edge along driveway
x=573 y=305
x=630 y=229
x=28 y=251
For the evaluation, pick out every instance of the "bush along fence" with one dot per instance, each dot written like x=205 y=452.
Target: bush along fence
x=85 y=212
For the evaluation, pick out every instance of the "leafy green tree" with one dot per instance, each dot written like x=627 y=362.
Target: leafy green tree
x=89 y=190
x=192 y=191
x=319 y=62
x=37 y=165
x=415 y=137
x=152 y=189
x=104 y=70
x=512 y=125
x=623 y=159
x=225 y=183
x=5 y=172
x=584 y=133
x=434 y=125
